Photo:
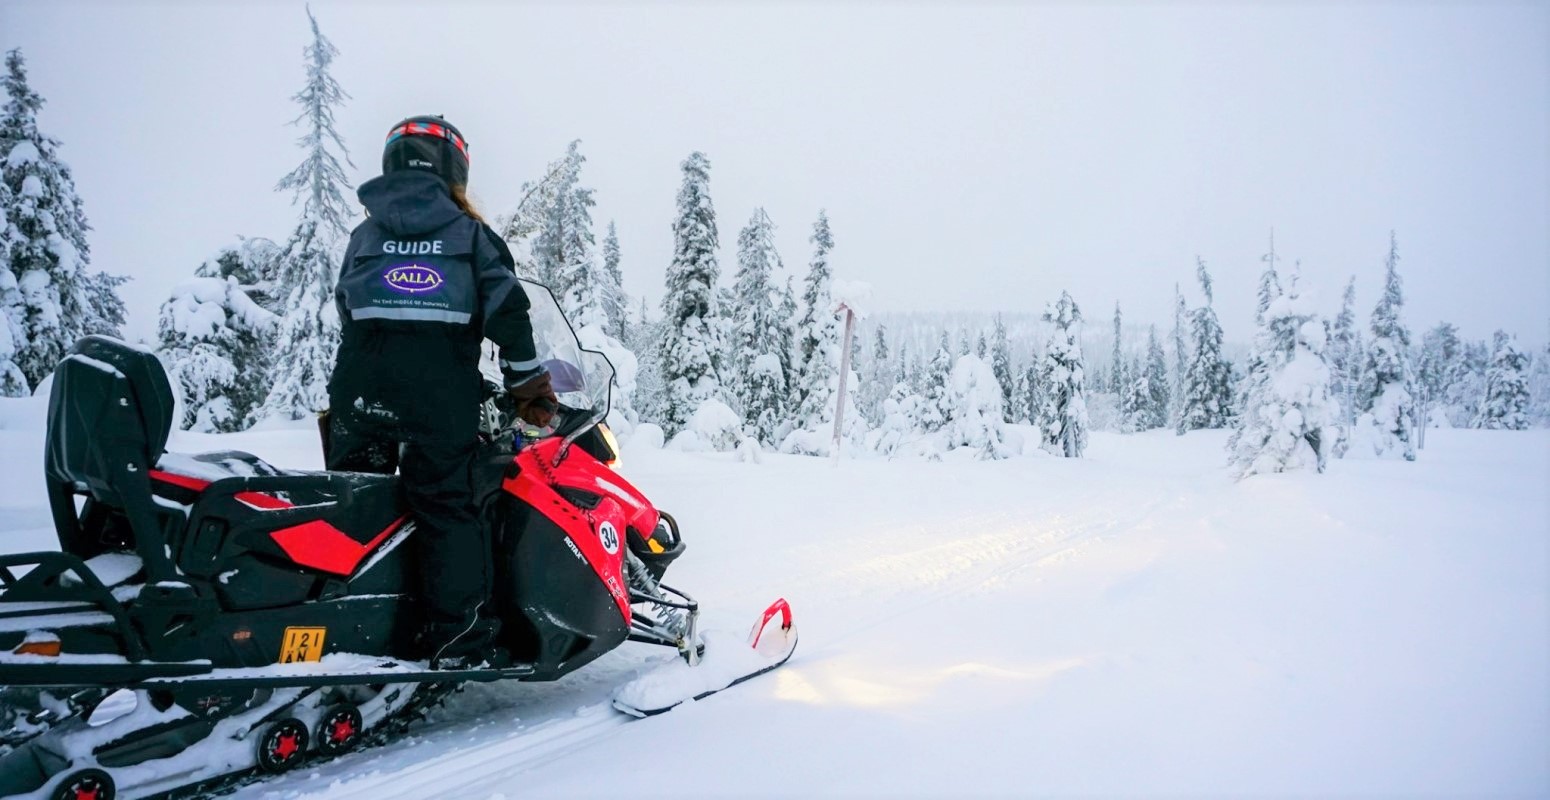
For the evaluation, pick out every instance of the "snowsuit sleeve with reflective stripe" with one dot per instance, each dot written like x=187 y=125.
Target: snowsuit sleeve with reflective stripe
x=504 y=305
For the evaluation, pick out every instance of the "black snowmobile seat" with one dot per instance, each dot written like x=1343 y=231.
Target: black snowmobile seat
x=110 y=412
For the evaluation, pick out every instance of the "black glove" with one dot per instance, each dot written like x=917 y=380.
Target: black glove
x=534 y=395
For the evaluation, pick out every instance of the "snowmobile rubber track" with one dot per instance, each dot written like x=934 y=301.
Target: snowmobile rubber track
x=381 y=734
x=123 y=676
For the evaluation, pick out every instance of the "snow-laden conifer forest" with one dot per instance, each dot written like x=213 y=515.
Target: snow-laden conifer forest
x=1253 y=526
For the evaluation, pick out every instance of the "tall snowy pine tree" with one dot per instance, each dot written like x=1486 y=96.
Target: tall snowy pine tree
x=1258 y=366
x=13 y=383
x=1001 y=364
x=308 y=334
x=1152 y=382
x=1345 y=356
x=1287 y=419
x=1434 y=369
x=212 y=339
x=690 y=342
x=1506 y=404
x=755 y=379
x=936 y=409
x=1386 y=398
x=56 y=299
x=1117 y=380
x=1206 y=397
x=1063 y=414
x=818 y=335
x=1180 y=355
x=615 y=303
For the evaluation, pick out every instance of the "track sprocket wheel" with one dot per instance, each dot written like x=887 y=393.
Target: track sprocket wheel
x=87 y=784
x=282 y=746
x=339 y=730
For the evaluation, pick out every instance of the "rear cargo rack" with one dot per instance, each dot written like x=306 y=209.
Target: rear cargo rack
x=46 y=592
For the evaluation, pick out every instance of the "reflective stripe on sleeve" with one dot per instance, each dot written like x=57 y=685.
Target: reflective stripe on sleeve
x=413 y=315
x=521 y=366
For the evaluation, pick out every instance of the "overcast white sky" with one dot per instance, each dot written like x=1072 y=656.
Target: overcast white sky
x=971 y=157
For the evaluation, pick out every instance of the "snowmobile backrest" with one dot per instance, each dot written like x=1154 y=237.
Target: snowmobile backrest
x=109 y=415
x=109 y=400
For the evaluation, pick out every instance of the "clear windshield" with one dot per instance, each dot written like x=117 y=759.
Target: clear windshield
x=582 y=378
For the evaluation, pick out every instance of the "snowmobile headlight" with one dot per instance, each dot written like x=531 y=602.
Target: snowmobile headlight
x=613 y=444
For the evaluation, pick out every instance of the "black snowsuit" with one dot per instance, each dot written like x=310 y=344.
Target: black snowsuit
x=422 y=285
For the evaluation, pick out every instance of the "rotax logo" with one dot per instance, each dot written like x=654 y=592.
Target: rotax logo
x=412 y=278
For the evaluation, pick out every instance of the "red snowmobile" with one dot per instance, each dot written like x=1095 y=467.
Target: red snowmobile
x=210 y=616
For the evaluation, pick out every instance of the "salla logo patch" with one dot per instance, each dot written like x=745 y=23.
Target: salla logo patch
x=413 y=278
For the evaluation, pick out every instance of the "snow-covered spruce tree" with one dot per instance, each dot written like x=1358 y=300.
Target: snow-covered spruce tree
x=1181 y=350
x=615 y=304
x=1506 y=403
x=520 y=229
x=1205 y=399
x=755 y=379
x=1117 y=384
x=1269 y=281
x=1017 y=411
x=1288 y=420
x=981 y=347
x=563 y=249
x=786 y=337
x=60 y=300
x=818 y=335
x=644 y=340
x=1152 y=382
x=1435 y=366
x=690 y=342
x=974 y=400
x=307 y=335
x=1256 y=366
x=879 y=376
x=937 y=402
x=1063 y=413
x=252 y=263
x=1466 y=388
x=1033 y=394
x=587 y=288
x=213 y=341
x=1345 y=356
x=1539 y=388
x=1001 y=364
x=1132 y=397
x=1386 y=398
x=12 y=382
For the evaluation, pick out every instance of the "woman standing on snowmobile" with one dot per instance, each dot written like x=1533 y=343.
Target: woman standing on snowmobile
x=424 y=282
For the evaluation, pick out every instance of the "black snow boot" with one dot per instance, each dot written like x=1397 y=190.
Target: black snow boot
x=468 y=644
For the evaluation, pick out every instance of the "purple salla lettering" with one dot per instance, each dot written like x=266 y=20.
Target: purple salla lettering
x=412 y=278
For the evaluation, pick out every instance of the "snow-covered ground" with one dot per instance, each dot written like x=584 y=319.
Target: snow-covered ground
x=1128 y=623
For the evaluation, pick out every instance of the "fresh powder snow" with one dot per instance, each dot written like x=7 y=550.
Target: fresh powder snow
x=1133 y=622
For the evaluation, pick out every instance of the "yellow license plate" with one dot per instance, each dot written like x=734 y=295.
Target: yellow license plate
x=302 y=644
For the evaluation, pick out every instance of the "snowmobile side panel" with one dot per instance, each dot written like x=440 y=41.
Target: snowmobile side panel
x=559 y=614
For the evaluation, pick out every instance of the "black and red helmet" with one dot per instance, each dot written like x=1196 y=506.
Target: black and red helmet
x=428 y=143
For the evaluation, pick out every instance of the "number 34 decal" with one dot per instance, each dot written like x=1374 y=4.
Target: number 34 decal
x=302 y=644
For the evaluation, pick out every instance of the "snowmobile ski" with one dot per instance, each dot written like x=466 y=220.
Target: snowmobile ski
x=725 y=663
